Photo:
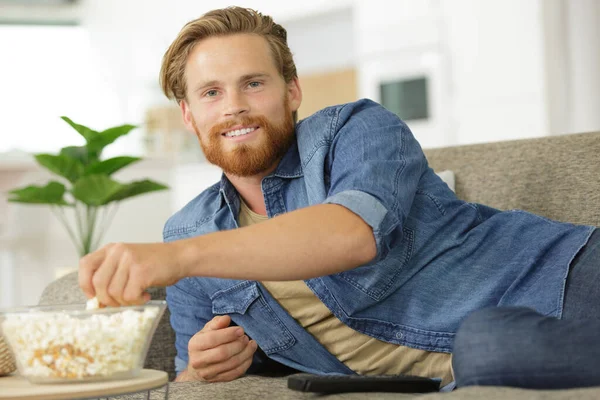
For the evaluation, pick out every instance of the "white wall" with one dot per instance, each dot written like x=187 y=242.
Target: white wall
x=572 y=60
x=497 y=69
x=323 y=41
x=490 y=72
x=583 y=45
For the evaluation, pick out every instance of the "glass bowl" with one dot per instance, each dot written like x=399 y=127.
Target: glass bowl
x=67 y=343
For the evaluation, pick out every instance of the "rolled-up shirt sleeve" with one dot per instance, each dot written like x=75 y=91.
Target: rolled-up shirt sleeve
x=375 y=165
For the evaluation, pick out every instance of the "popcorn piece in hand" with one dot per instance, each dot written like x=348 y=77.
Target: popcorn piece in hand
x=93 y=304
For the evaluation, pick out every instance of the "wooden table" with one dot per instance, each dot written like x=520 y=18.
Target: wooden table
x=16 y=387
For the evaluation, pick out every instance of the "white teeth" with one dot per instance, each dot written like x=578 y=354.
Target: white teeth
x=239 y=132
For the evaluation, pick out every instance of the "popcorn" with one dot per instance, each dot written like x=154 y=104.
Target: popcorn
x=63 y=346
x=93 y=304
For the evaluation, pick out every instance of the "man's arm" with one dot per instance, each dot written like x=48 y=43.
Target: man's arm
x=314 y=241
x=373 y=181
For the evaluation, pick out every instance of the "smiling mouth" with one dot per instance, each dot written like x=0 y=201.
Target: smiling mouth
x=240 y=132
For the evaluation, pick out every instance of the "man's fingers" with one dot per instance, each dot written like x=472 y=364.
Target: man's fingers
x=117 y=284
x=232 y=368
x=211 y=339
x=101 y=280
x=87 y=266
x=135 y=292
x=146 y=297
x=230 y=375
x=218 y=322
x=218 y=354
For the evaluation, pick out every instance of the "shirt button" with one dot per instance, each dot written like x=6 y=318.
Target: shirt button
x=399 y=335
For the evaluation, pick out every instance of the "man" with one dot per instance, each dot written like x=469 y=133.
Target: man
x=332 y=247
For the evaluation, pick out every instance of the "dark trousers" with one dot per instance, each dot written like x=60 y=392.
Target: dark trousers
x=514 y=346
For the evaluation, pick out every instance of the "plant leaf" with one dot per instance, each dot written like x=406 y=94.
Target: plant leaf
x=84 y=131
x=110 y=166
x=52 y=193
x=62 y=165
x=136 y=188
x=80 y=153
x=104 y=138
x=95 y=190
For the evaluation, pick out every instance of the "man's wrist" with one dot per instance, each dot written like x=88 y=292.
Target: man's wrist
x=184 y=253
x=187 y=376
x=183 y=376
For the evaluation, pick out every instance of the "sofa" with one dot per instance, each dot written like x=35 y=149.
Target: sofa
x=556 y=176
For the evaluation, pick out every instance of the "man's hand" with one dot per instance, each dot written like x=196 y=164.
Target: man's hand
x=218 y=353
x=314 y=241
x=119 y=274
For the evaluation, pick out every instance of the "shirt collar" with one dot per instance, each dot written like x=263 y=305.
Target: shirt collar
x=288 y=168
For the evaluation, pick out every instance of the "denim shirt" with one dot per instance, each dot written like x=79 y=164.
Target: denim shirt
x=438 y=257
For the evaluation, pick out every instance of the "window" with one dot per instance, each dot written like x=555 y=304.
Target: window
x=46 y=72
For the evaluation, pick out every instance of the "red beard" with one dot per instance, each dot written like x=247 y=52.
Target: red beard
x=248 y=160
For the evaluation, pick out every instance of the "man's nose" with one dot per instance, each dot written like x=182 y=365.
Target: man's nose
x=236 y=104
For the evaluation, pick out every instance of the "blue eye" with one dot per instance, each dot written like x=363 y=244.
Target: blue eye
x=211 y=93
x=254 y=84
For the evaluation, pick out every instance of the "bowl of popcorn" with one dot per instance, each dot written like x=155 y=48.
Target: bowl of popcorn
x=80 y=342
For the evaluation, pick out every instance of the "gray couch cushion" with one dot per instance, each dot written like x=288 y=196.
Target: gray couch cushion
x=262 y=388
x=557 y=177
x=503 y=393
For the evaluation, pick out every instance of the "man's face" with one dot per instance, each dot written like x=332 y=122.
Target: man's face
x=238 y=104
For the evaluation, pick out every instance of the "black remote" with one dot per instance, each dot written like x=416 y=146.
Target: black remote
x=360 y=383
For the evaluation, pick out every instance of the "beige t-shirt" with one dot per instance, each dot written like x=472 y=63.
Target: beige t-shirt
x=359 y=352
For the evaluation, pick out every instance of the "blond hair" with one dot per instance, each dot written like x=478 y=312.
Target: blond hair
x=222 y=22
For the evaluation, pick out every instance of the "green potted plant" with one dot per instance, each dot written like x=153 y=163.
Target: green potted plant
x=85 y=185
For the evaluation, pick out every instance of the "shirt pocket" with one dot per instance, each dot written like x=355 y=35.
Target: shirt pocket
x=247 y=307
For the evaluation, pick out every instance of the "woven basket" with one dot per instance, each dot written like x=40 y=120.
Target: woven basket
x=7 y=361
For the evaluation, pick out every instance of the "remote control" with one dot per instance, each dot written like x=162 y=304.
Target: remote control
x=360 y=383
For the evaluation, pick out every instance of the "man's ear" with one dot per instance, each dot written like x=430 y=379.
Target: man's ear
x=294 y=94
x=186 y=113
